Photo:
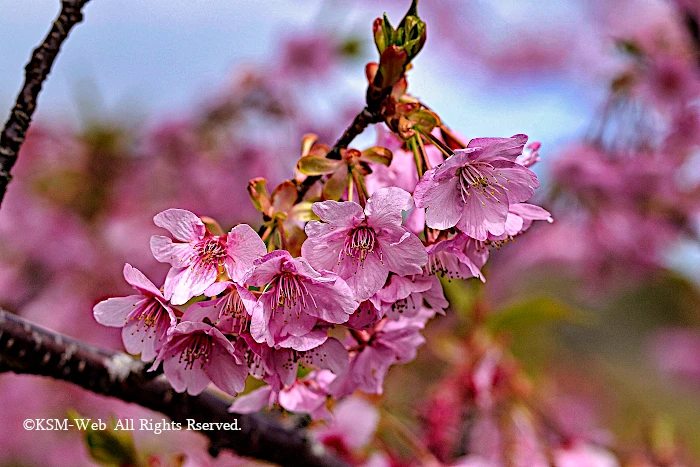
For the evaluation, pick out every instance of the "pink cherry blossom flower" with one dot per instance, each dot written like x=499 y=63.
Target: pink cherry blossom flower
x=306 y=395
x=362 y=247
x=197 y=257
x=473 y=188
x=404 y=296
x=374 y=352
x=196 y=354
x=294 y=299
x=459 y=257
x=144 y=318
x=352 y=428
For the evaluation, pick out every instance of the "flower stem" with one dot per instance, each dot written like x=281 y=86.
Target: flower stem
x=447 y=152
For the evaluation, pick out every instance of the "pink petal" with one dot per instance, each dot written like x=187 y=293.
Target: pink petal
x=342 y=214
x=259 y=323
x=518 y=180
x=405 y=256
x=181 y=284
x=509 y=148
x=216 y=288
x=385 y=206
x=331 y=302
x=184 y=225
x=332 y=355
x=482 y=216
x=245 y=246
x=114 y=311
x=323 y=252
x=266 y=268
x=299 y=398
x=364 y=278
x=194 y=379
x=442 y=200
x=176 y=254
x=308 y=341
x=223 y=370
x=254 y=401
x=530 y=212
x=140 y=282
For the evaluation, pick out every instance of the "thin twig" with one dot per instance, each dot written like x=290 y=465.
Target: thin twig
x=26 y=348
x=36 y=72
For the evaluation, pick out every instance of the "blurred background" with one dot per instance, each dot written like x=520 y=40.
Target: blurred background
x=157 y=104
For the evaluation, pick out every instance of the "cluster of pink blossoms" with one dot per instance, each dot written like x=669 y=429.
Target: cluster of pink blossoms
x=353 y=302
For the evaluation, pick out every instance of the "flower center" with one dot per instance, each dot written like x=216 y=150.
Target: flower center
x=211 y=251
x=198 y=347
x=234 y=309
x=291 y=292
x=359 y=243
x=473 y=178
x=148 y=318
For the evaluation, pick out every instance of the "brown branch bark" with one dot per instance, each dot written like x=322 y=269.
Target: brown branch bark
x=36 y=71
x=26 y=348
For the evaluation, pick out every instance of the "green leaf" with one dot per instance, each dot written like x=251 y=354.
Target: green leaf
x=335 y=186
x=109 y=447
x=259 y=196
x=378 y=155
x=423 y=120
x=316 y=165
x=302 y=212
x=535 y=311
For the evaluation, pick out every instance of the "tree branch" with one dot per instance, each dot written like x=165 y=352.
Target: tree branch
x=26 y=348
x=358 y=125
x=36 y=72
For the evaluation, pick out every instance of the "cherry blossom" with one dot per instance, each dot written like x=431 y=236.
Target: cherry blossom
x=363 y=246
x=198 y=257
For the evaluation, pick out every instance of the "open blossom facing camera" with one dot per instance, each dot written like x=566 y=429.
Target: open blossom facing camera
x=363 y=246
x=144 y=318
x=473 y=188
x=295 y=298
x=197 y=353
x=198 y=257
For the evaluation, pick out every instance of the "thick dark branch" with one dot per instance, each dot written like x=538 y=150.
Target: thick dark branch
x=29 y=349
x=36 y=72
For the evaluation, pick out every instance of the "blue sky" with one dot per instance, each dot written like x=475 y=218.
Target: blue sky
x=153 y=58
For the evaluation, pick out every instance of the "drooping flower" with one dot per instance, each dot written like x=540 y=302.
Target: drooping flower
x=374 y=351
x=459 y=257
x=473 y=188
x=144 y=318
x=295 y=297
x=198 y=257
x=197 y=353
x=362 y=247
x=307 y=395
x=404 y=296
